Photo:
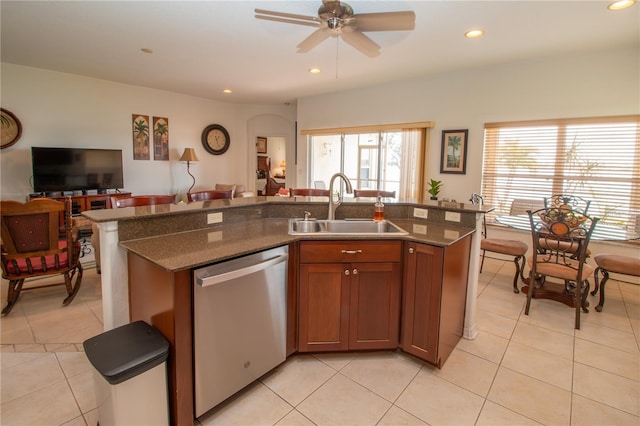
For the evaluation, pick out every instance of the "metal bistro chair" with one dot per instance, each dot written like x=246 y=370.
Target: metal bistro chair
x=616 y=263
x=33 y=245
x=565 y=234
x=214 y=194
x=309 y=192
x=514 y=248
x=373 y=193
x=566 y=202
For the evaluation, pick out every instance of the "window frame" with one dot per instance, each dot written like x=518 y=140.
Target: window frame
x=570 y=164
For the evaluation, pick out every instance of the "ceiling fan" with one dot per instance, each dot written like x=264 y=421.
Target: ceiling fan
x=336 y=18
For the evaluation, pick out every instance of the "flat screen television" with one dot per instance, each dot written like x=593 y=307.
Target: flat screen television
x=76 y=169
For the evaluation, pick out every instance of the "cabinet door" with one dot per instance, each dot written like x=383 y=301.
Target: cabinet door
x=323 y=307
x=374 y=314
x=421 y=301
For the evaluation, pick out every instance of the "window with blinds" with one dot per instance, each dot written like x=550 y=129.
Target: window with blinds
x=594 y=158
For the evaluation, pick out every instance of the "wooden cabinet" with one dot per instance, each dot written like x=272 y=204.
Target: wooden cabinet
x=80 y=203
x=349 y=295
x=434 y=299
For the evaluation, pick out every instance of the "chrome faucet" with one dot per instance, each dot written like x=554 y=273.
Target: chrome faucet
x=333 y=205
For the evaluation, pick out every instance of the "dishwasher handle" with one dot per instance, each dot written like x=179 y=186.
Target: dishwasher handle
x=237 y=273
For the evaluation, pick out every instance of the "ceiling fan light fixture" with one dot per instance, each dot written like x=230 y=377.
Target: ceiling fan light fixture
x=620 y=4
x=337 y=19
x=475 y=33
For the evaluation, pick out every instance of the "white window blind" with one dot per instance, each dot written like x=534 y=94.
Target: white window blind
x=594 y=158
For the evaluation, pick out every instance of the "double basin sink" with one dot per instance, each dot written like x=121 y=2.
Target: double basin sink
x=343 y=227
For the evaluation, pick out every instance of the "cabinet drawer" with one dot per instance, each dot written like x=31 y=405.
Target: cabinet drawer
x=350 y=251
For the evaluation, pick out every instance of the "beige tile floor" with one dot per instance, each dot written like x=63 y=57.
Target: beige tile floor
x=520 y=369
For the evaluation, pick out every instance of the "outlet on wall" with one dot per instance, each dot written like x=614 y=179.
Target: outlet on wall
x=214 y=218
x=421 y=213
x=452 y=216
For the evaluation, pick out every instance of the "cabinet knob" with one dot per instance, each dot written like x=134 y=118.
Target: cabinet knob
x=355 y=272
x=346 y=272
x=411 y=250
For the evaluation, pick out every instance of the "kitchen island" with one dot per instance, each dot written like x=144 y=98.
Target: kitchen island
x=152 y=252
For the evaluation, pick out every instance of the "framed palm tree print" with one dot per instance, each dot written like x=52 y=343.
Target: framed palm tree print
x=161 y=138
x=454 y=151
x=140 y=137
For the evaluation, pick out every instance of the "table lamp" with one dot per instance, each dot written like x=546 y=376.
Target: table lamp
x=189 y=155
x=283 y=165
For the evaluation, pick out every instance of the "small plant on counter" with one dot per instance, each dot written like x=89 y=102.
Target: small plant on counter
x=434 y=188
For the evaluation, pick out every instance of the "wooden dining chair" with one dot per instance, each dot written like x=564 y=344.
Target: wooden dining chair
x=565 y=234
x=141 y=200
x=308 y=192
x=118 y=202
x=213 y=194
x=515 y=248
x=373 y=193
x=33 y=246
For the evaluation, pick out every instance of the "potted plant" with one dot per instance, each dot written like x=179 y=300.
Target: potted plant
x=434 y=188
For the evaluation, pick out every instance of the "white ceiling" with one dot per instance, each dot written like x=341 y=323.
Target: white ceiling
x=202 y=47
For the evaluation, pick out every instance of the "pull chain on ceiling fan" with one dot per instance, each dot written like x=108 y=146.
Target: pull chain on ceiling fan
x=336 y=18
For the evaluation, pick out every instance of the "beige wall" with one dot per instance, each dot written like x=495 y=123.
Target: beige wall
x=578 y=85
x=65 y=110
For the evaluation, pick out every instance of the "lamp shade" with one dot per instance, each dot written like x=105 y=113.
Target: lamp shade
x=283 y=163
x=189 y=154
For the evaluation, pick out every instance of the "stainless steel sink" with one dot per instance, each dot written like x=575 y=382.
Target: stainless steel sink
x=343 y=227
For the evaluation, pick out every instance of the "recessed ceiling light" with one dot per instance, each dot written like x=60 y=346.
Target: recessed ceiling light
x=621 y=4
x=227 y=91
x=146 y=50
x=474 y=33
x=314 y=70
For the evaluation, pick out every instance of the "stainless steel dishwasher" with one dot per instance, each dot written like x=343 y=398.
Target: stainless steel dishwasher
x=239 y=323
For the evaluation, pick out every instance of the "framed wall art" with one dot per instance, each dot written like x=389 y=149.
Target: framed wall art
x=140 y=137
x=454 y=151
x=161 y=138
x=261 y=145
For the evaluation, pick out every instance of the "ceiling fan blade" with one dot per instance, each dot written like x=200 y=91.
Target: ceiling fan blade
x=386 y=21
x=313 y=40
x=289 y=21
x=361 y=42
x=288 y=18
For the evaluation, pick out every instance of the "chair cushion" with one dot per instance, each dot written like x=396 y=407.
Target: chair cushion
x=240 y=189
x=566 y=246
x=36 y=263
x=563 y=272
x=617 y=263
x=510 y=247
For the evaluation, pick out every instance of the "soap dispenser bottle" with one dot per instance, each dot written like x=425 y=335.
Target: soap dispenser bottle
x=378 y=210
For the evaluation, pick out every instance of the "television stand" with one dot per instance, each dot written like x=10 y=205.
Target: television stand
x=81 y=203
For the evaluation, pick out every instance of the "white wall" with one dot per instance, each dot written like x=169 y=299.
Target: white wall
x=65 y=110
x=587 y=84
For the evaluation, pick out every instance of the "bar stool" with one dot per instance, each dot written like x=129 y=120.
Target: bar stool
x=618 y=264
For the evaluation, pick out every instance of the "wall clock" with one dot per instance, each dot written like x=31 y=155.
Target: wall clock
x=215 y=139
x=11 y=128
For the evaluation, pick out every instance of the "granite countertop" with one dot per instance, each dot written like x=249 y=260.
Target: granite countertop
x=196 y=248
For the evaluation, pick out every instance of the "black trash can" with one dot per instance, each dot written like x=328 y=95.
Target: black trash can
x=130 y=375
